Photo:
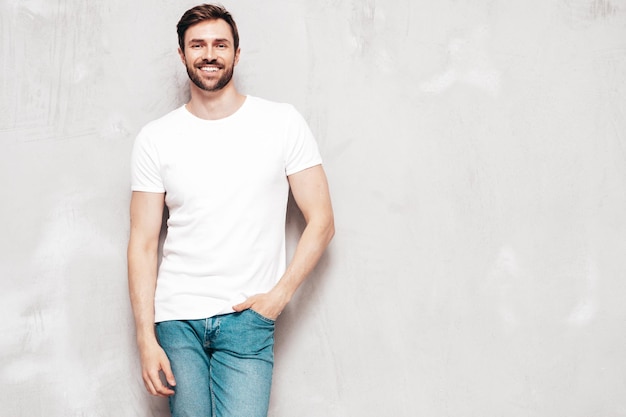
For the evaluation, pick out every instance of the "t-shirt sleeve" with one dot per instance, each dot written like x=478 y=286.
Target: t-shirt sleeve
x=144 y=166
x=302 y=151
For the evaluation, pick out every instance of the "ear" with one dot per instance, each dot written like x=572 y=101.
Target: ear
x=181 y=54
x=237 y=55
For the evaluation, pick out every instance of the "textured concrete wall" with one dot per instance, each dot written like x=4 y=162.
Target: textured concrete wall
x=476 y=152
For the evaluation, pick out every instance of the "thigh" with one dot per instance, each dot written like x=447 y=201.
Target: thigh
x=242 y=359
x=183 y=342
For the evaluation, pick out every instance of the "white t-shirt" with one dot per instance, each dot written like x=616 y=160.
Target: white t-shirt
x=226 y=188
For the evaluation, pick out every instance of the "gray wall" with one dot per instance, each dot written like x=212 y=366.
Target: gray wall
x=475 y=151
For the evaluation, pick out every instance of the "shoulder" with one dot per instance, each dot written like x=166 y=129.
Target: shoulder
x=158 y=132
x=272 y=108
x=164 y=123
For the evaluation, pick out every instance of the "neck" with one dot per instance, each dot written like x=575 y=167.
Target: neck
x=213 y=105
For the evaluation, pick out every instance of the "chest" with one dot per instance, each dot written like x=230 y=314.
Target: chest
x=218 y=166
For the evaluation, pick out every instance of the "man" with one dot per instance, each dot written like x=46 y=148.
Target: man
x=223 y=165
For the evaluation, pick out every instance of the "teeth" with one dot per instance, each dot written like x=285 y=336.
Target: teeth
x=209 y=69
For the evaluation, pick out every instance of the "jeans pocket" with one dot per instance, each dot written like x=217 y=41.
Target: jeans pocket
x=261 y=317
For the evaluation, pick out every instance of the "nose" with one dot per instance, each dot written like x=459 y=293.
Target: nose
x=208 y=53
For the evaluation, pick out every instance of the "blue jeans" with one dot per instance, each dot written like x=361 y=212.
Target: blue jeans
x=222 y=365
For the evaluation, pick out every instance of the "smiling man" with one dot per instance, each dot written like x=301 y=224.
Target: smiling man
x=223 y=164
x=217 y=74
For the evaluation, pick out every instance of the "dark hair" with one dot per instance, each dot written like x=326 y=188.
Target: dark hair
x=200 y=14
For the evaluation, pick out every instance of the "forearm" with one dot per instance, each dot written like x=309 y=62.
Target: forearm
x=142 y=271
x=313 y=242
x=146 y=212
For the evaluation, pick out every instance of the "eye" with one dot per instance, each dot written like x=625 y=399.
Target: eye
x=221 y=46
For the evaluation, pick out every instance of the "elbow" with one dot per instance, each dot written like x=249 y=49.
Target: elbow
x=322 y=226
x=139 y=246
x=329 y=229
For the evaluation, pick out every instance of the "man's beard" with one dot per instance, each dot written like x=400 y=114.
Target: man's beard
x=201 y=84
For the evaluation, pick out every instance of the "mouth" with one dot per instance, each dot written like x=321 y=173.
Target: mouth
x=209 y=68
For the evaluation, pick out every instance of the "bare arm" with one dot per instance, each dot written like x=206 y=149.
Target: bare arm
x=310 y=190
x=146 y=212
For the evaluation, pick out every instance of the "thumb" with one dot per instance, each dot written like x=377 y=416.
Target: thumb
x=242 y=306
x=167 y=371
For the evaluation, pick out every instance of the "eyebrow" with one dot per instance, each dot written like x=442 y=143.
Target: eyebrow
x=217 y=40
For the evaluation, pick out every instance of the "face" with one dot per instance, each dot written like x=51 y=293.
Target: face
x=210 y=56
